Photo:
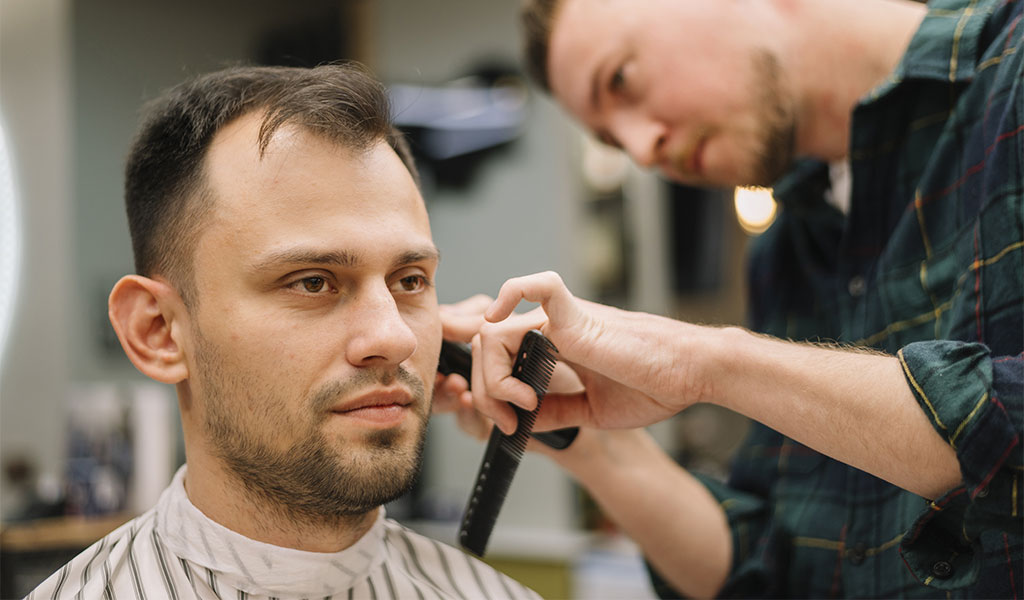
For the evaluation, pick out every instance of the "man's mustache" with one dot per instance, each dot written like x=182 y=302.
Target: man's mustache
x=327 y=396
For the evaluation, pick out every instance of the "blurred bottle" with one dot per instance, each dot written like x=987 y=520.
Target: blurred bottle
x=99 y=450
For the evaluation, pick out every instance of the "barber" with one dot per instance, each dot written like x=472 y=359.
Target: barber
x=887 y=463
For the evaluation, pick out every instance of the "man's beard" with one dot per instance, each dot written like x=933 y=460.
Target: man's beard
x=314 y=482
x=776 y=136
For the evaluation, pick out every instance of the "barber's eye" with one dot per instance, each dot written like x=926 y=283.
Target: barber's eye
x=608 y=140
x=618 y=80
x=313 y=285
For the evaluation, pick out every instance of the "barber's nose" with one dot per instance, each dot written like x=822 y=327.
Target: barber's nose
x=379 y=334
x=642 y=138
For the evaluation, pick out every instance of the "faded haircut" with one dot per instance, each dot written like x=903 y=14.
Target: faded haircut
x=536 y=18
x=165 y=193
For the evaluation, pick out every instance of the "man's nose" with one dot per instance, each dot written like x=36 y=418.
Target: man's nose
x=378 y=334
x=642 y=138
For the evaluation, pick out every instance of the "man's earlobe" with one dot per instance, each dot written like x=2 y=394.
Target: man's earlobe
x=143 y=312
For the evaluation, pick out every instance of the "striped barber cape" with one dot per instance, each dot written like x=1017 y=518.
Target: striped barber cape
x=174 y=551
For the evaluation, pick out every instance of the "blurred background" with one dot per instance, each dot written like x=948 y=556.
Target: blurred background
x=512 y=187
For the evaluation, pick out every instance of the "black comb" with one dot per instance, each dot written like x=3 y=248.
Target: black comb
x=534 y=364
x=457 y=358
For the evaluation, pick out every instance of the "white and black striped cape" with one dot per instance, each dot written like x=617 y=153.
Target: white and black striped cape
x=174 y=551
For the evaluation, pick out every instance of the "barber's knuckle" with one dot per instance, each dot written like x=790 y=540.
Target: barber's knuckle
x=488 y=329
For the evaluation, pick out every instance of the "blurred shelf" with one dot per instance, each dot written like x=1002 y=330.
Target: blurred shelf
x=58 y=532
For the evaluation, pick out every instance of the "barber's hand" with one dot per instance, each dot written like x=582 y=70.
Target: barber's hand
x=451 y=395
x=628 y=375
x=461 y=322
x=478 y=425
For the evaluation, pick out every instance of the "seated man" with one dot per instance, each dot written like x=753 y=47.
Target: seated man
x=285 y=288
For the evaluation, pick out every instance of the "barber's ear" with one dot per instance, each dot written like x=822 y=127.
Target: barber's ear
x=149 y=318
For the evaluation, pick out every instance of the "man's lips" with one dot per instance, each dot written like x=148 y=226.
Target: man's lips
x=381 y=408
x=387 y=415
x=375 y=399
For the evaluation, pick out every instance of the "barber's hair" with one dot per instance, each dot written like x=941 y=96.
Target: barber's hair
x=165 y=192
x=537 y=18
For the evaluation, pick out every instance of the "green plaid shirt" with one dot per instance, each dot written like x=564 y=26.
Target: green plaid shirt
x=929 y=266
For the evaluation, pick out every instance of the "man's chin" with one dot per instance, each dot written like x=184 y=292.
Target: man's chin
x=389 y=439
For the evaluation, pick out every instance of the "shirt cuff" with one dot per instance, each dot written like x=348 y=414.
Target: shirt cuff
x=965 y=398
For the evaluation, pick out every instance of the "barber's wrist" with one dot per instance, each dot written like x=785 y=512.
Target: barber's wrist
x=713 y=363
x=603 y=455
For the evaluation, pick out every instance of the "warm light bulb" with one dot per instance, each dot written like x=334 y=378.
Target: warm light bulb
x=755 y=208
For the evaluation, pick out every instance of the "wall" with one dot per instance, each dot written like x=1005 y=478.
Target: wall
x=35 y=97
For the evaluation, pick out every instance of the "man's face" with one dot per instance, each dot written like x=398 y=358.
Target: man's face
x=681 y=85
x=316 y=330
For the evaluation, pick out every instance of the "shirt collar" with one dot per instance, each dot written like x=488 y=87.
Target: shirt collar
x=803 y=187
x=255 y=567
x=945 y=46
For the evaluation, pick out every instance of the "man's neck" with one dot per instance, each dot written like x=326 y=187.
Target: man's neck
x=837 y=53
x=221 y=497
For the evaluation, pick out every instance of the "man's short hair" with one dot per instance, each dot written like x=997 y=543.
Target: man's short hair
x=165 y=193
x=537 y=18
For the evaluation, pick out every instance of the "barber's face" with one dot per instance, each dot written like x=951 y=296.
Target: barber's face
x=686 y=86
x=316 y=331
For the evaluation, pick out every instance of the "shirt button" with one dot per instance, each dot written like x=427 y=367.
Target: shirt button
x=857 y=554
x=856 y=286
x=942 y=570
x=983 y=492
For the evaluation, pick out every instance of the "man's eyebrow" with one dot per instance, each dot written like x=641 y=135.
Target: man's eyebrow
x=426 y=253
x=288 y=256
x=342 y=258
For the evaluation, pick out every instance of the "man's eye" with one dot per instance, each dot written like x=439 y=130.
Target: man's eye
x=412 y=283
x=313 y=285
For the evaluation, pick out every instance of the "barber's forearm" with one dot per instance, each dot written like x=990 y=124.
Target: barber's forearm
x=677 y=523
x=853 y=406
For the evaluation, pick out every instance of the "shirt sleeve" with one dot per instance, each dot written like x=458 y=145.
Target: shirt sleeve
x=974 y=401
x=759 y=554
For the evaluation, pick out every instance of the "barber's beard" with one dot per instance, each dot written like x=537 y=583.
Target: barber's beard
x=775 y=139
x=316 y=481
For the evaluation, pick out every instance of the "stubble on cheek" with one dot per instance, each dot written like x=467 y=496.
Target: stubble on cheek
x=286 y=459
x=775 y=139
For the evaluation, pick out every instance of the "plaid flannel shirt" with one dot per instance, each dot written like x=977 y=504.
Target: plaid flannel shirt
x=928 y=266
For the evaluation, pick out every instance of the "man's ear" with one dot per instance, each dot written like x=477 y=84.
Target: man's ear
x=148 y=316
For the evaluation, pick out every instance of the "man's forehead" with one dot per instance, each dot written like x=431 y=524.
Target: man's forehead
x=308 y=188
x=236 y=147
x=235 y=162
